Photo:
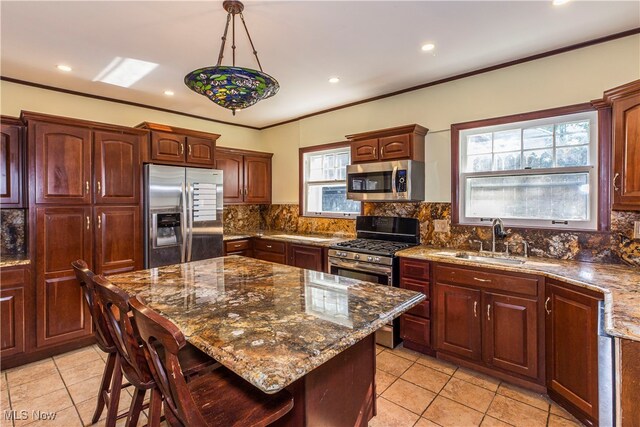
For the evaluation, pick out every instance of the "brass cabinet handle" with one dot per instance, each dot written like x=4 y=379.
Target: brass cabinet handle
x=237 y=246
x=381 y=151
x=615 y=177
x=375 y=151
x=189 y=147
x=546 y=305
x=99 y=222
x=86 y=186
x=489 y=312
x=181 y=148
x=481 y=280
x=88 y=222
x=269 y=246
x=99 y=187
x=475 y=309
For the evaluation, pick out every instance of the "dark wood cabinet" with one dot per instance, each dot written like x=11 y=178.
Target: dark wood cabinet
x=62 y=163
x=510 y=333
x=270 y=250
x=415 y=326
x=15 y=290
x=246 y=174
x=118 y=239
x=405 y=142
x=64 y=234
x=11 y=163
x=572 y=348
x=458 y=321
x=171 y=145
x=415 y=329
x=625 y=123
x=242 y=247
x=307 y=257
x=117 y=167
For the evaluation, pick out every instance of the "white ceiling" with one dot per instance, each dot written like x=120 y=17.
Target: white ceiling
x=374 y=47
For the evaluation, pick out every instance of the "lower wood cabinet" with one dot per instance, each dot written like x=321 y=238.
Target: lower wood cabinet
x=302 y=256
x=307 y=257
x=572 y=348
x=241 y=247
x=270 y=250
x=415 y=324
x=118 y=239
x=415 y=329
x=15 y=304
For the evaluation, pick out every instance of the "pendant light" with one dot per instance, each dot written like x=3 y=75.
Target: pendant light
x=232 y=87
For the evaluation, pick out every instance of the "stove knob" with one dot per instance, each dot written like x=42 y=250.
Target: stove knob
x=344 y=254
x=377 y=259
x=356 y=256
x=369 y=258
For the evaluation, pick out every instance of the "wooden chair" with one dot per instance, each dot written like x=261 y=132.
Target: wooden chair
x=114 y=304
x=105 y=343
x=219 y=398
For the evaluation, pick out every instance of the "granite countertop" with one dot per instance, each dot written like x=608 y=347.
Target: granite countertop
x=305 y=239
x=619 y=284
x=269 y=323
x=14 y=260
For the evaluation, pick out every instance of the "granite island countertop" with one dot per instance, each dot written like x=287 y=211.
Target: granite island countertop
x=14 y=260
x=269 y=323
x=619 y=284
x=322 y=240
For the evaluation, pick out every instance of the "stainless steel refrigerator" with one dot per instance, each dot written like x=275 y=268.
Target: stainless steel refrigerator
x=183 y=214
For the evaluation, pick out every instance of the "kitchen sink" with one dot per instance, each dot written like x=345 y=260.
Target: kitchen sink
x=482 y=258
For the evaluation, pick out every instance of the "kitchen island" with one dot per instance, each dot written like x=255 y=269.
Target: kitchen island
x=281 y=327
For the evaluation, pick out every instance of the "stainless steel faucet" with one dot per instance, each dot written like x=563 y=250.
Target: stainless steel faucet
x=497 y=227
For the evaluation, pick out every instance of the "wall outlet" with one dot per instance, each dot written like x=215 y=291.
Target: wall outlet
x=636 y=230
x=440 y=225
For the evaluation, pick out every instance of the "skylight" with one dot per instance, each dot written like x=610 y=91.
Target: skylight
x=125 y=71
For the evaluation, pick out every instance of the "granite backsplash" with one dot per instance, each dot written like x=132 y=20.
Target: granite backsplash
x=615 y=246
x=12 y=232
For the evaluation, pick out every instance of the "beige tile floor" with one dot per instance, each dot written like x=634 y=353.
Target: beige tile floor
x=414 y=390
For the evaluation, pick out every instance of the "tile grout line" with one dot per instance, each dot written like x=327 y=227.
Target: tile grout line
x=73 y=402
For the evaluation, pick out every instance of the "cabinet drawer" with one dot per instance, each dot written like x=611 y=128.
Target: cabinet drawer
x=421 y=310
x=483 y=279
x=270 y=246
x=236 y=245
x=415 y=329
x=414 y=269
x=415 y=285
x=270 y=256
x=11 y=276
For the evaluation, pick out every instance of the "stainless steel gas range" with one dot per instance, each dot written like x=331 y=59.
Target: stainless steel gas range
x=371 y=257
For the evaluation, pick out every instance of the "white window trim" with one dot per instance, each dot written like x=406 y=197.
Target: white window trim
x=592 y=169
x=306 y=183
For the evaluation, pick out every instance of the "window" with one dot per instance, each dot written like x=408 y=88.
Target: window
x=324 y=182
x=540 y=172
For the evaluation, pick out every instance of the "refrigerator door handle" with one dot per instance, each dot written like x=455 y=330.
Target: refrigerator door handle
x=190 y=222
x=183 y=225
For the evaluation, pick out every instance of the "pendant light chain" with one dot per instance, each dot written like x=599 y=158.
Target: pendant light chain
x=224 y=40
x=255 y=52
x=233 y=39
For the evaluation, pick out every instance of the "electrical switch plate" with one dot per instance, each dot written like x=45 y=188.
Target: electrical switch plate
x=636 y=230
x=440 y=225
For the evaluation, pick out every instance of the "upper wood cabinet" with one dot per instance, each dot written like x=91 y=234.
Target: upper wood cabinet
x=246 y=175
x=181 y=147
x=117 y=167
x=405 y=142
x=11 y=162
x=625 y=102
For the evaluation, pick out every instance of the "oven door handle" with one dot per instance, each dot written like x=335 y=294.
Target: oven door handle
x=360 y=266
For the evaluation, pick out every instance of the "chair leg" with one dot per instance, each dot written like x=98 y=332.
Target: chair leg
x=155 y=408
x=107 y=377
x=114 y=394
x=136 y=407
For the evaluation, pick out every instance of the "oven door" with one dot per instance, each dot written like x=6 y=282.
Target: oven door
x=387 y=335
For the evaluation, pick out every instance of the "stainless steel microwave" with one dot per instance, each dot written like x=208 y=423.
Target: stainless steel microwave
x=401 y=180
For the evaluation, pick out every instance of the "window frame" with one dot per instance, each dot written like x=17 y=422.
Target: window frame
x=302 y=184
x=599 y=172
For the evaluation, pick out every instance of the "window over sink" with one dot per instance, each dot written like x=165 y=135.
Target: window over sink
x=531 y=172
x=323 y=182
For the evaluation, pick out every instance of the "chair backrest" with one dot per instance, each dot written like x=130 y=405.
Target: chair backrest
x=85 y=277
x=158 y=333
x=114 y=304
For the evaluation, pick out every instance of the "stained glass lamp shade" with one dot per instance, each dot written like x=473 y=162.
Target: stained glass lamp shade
x=232 y=87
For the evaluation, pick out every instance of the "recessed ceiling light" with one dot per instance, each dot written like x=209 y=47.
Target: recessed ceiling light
x=125 y=71
x=560 y=2
x=168 y=92
x=64 y=68
x=428 y=47
x=334 y=80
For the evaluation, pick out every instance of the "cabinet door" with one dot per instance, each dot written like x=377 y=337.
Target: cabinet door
x=117 y=167
x=626 y=142
x=200 y=151
x=168 y=147
x=510 y=336
x=395 y=147
x=308 y=257
x=10 y=166
x=458 y=323
x=257 y=179
x=14 y=283
x=118 y=239
x=63 y=236
x=572 y=347
x=63 y=163
x=364 y=151
x=232 y=167
x=415 y=329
